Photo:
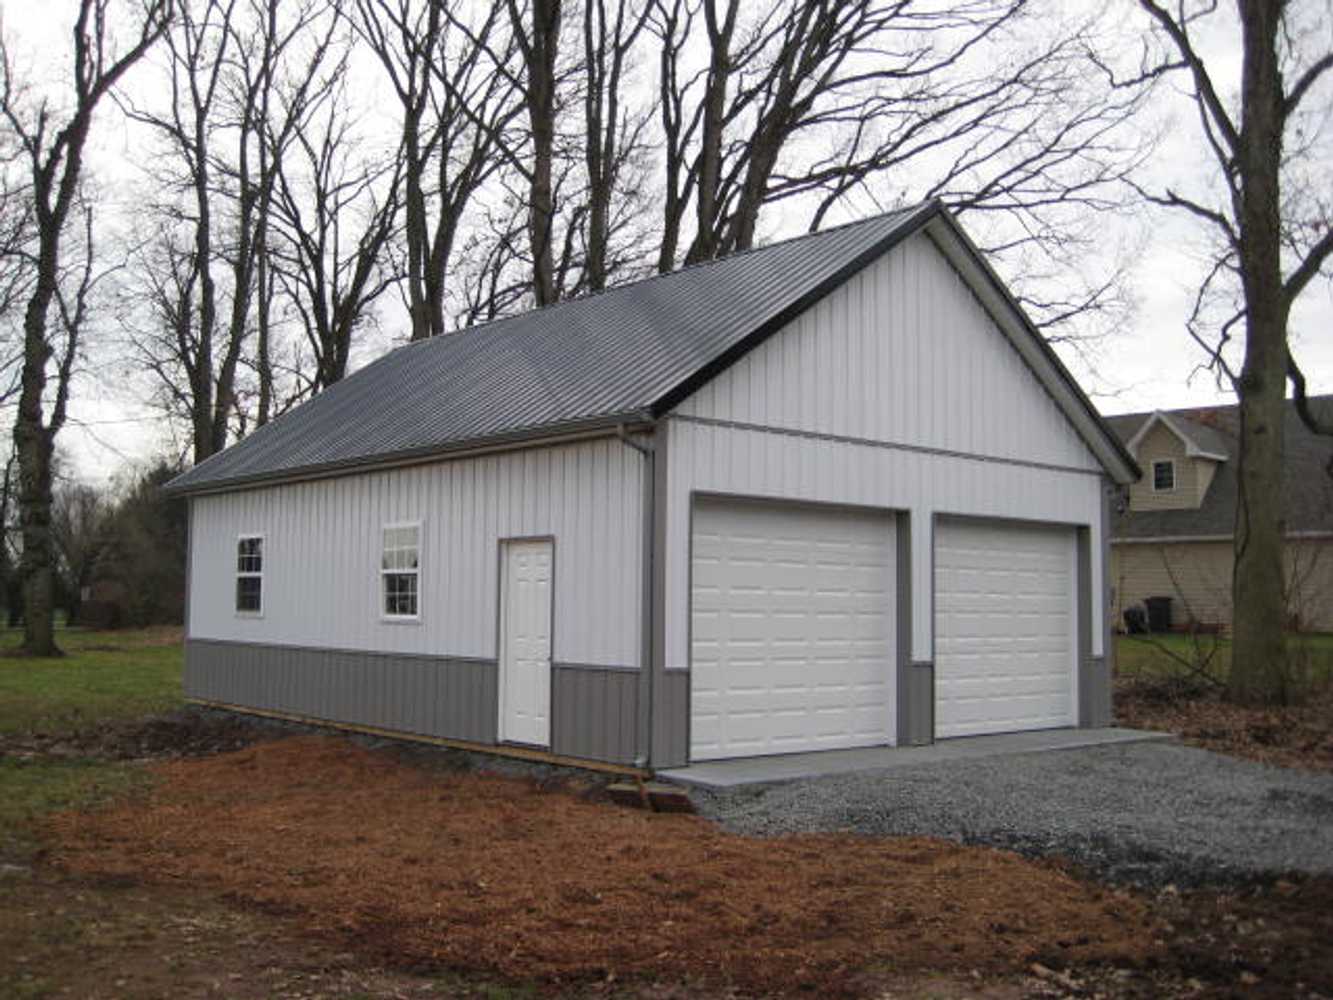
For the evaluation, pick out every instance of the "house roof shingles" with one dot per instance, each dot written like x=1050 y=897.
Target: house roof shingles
x=1307 y=485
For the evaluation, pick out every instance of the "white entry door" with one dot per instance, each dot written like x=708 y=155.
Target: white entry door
x=791 y=628
x=1004 y=627
x=525 y=643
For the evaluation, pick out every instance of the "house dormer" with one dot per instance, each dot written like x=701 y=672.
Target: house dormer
x=1179 y=458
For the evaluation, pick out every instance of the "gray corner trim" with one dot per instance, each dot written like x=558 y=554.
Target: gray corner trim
x=915 y=681
x=920 y=704
x=1095 y=693
x=670 y=689
x=1083 y=625
x=1109 y=490
x=916 y=449
x=189 y=559
x=648 y=501
x=1094 y=680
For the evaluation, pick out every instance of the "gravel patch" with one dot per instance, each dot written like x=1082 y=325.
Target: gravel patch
x=1147 y=814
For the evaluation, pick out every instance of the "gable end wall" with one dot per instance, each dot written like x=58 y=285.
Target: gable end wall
x=897 y=391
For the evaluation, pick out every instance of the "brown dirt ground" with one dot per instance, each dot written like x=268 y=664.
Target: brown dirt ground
x=98 y=939
x=481 y=873
x=1296 y=736
x=182 y=733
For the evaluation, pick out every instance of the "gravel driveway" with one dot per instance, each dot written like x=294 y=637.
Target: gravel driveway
x=1150 y=814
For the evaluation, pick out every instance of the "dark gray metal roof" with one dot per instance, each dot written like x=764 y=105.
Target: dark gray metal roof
x=1307 y=487
x=624 y=355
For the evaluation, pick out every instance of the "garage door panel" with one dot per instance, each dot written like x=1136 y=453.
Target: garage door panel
x=1005 y=617
x=791 y=629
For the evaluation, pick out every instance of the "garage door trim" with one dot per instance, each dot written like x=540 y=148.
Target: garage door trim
x=1077 y=605
x=899 y=612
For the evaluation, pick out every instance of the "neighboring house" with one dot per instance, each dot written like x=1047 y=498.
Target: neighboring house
x=1173 y=532
x=832 y=492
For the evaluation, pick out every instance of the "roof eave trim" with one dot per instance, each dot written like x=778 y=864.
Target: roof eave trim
x=906 y=226
x=996 y=298
x=543 y=436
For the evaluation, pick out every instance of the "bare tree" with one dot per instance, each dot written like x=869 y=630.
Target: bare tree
x=814 y=104
x=335 y=212
x=1269 y=213
x=53 y=138
x=224 y=132
x=10 y=547
x=537 y=33
x=457 y=111
x=78 y=524
x=615 y=129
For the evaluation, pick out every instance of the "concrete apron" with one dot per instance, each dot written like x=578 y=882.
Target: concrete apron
x=795 y=766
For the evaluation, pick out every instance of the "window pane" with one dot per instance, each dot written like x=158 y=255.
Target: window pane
x=400 y=550
x=1164 y=476
x=400 y=593
x=250 y=555
x=249 y=591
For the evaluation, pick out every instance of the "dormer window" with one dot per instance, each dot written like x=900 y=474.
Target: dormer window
x=1164 y=476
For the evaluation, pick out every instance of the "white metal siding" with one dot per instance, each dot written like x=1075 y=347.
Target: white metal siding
x=322 y=554
x=1005 y=613
x=901 y=353
x=792 y=629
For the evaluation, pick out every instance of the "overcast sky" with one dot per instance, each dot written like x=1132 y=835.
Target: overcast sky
x=1150 y=363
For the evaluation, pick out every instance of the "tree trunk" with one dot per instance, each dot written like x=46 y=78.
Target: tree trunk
x=707 y=209
x=539 y=54
x=33 y=446
x=1258 y=661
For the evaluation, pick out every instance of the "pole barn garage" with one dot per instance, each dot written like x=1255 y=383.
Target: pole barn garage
x=832 y=492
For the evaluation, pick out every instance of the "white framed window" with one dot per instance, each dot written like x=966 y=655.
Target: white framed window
x=250 y=575
x=1164 y=476
x=400 y=572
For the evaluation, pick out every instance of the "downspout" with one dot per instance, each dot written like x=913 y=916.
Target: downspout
x=646 y=449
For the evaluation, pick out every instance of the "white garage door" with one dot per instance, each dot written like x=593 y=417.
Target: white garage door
x=791 y=629
x=1004 y=627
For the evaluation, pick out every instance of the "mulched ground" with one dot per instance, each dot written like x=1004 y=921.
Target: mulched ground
x=500 y=875
x=1296 y=736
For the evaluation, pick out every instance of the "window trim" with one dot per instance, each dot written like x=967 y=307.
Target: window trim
x=385 y=616
x=238 y=573
x=1171 y=464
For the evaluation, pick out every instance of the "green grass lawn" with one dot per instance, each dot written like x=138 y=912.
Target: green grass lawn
x=1151 y=656
x=105 y=677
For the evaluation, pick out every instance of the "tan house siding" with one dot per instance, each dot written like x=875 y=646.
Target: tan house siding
x=1310 y=583
x=1158 y=445
x=1198 y=576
